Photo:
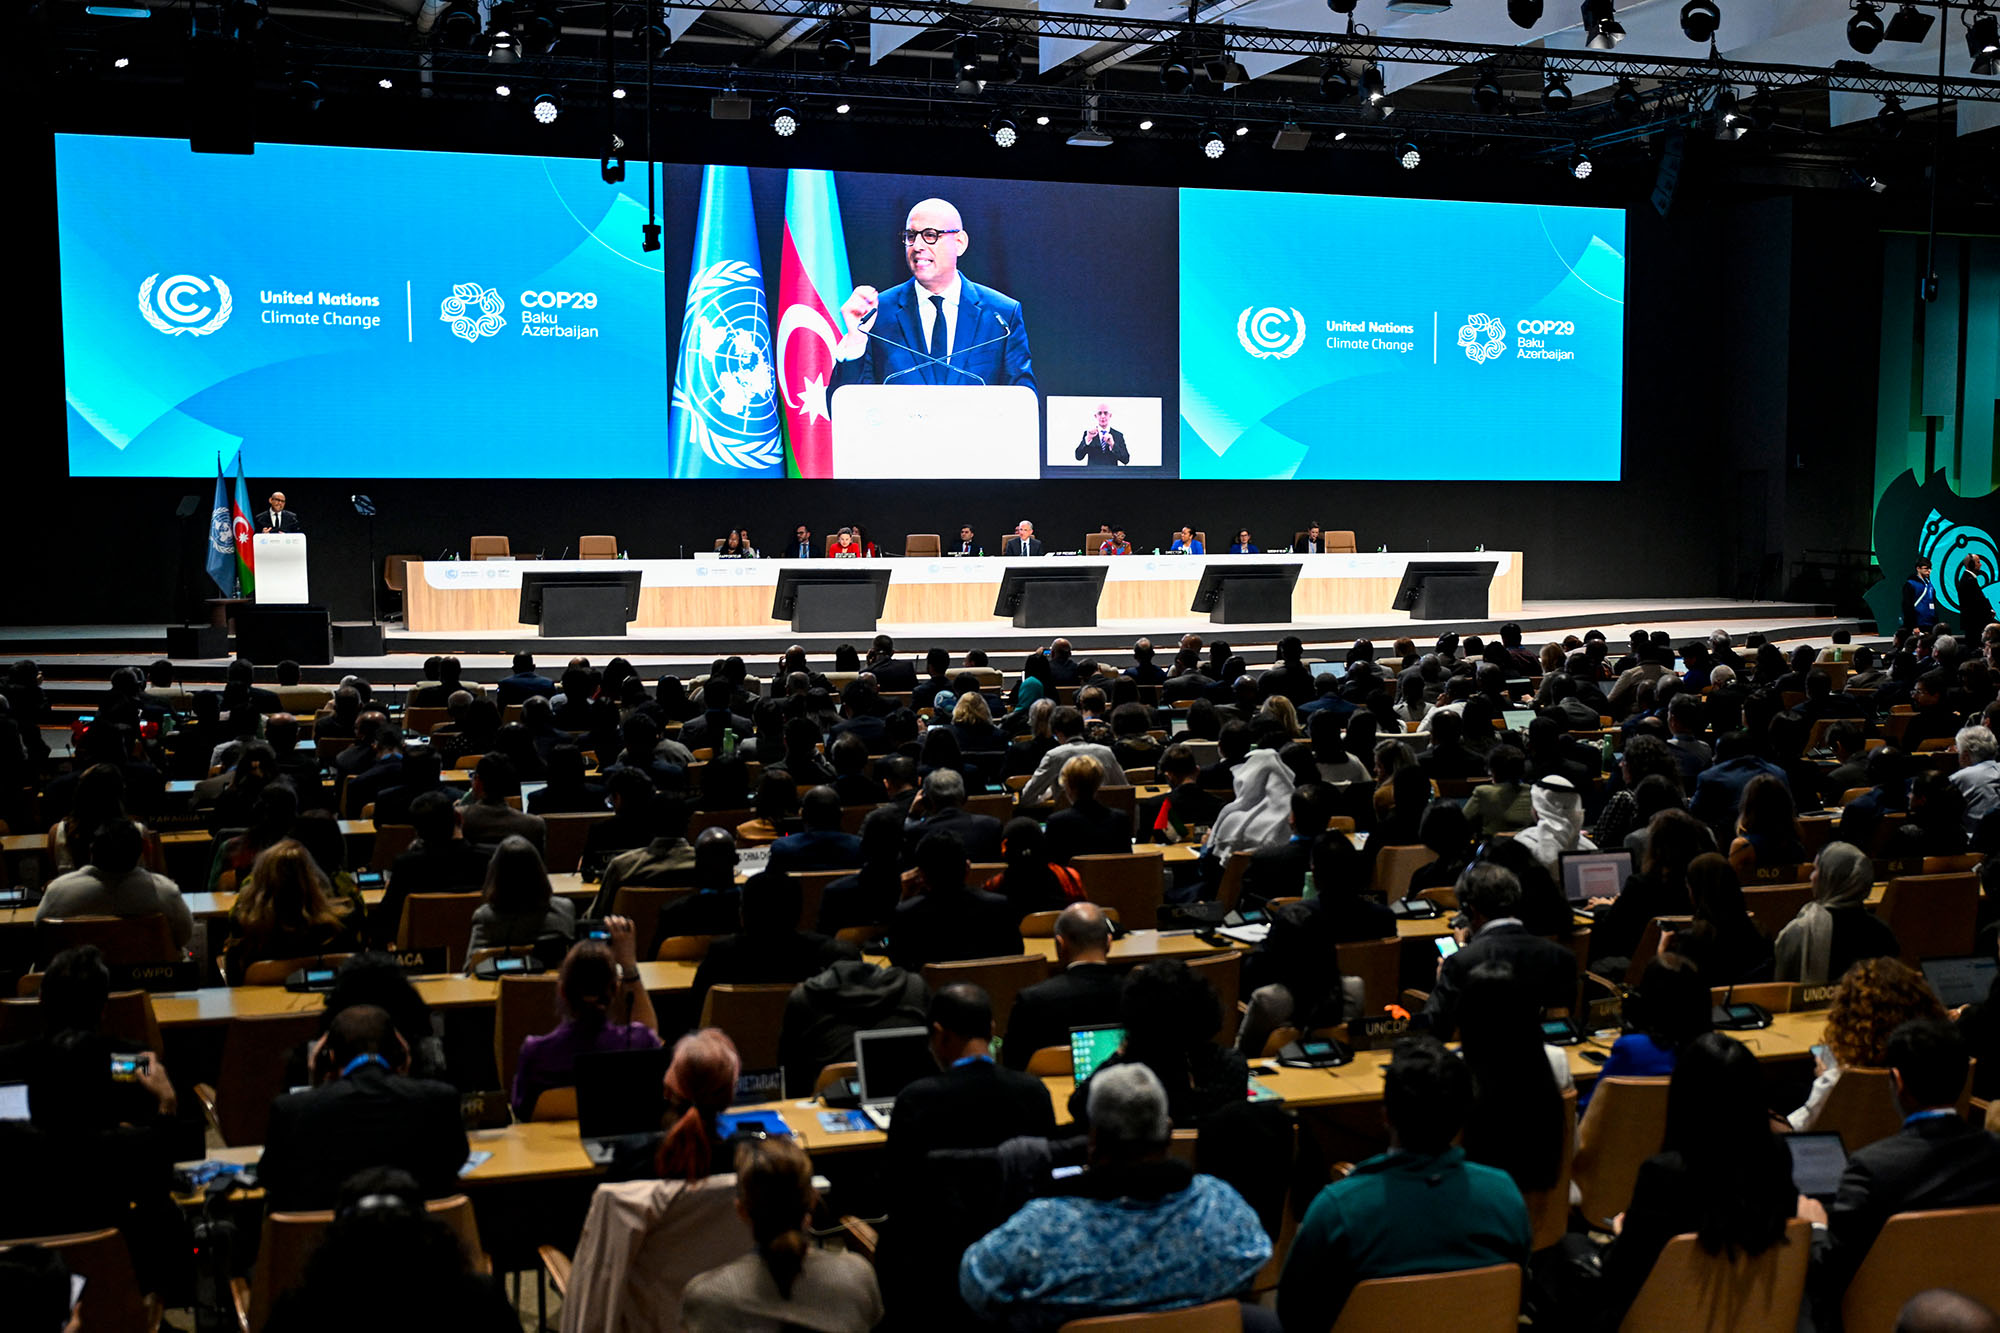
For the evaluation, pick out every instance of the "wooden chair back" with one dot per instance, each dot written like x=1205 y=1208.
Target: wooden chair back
x=812 y=892
x=1773 y=907
x=126 y=941
x=998 y=804
x=566 y=836
x=523 y=1007
x=1337 y=542
x=391 y=841
x=643 y=905
x=597 y=546
x=834 y=1073
x=555 y=1104
x=1379 y=964
x=1395 y=866
x=1472 y=1300
x=1235 y=870
x=1934 y=916
x=422 y=721
x=112 y=1301
x=1215 y=1317
x=1648 y=947
x=1224 y=971
x=1001 y=978
x=485 y=548
x=254 y=1051
x=922 y=544
x=1548 y=1210
x=1131 y=882
x=1951 y=1247
x=1624 y=1124
x=684 y=948
x=274 y=971
x=1051 y=1062
x=127 y=1014
x=289 y=1240
x=751 y=1015
x=1860 y=1107
x=1691 y=1288
x=439 y=921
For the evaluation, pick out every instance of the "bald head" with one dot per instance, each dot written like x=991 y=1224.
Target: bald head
x=934 y=263
x=1942 y=1311
x=1083 y=934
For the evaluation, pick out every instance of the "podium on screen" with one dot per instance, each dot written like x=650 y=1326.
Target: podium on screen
x=974 y=432
x=281 y=568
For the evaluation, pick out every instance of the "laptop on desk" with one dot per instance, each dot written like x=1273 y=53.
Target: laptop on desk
x=1091 y=1047
x=619 y=1094
x=1587 y=875
x=1960 y=981
x=886 y=1061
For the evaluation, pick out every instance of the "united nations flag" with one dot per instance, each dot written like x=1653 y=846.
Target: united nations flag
x=723 y=421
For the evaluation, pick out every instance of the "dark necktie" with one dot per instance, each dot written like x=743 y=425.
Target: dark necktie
x=940 y=339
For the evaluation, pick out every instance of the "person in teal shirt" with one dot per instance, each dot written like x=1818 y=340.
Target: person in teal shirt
x=1421 y=1207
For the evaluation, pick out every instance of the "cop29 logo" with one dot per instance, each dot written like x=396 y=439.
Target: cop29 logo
x=185 y=304
x=473 y=311
x=1272 y=333
x=1483 y=337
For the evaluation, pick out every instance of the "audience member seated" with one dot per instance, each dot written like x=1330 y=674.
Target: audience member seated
x=1870 y=1001
x=1489 y=896
x=774 y=812
x=770 y=948
x=941 y=809
x=1517 y=1122
x=1032 y=882
x=1084 y=992
x=1835 y=930
x=288 y=909
x=113 y=883
x=1067 y=726
x=867 y=897
x=604 y=1009
x=716 y=906
x=825 y=1011
x=1720 y=1174
x=1506 y=804
x=1766 y=846
x=271 y=817
x=566 y=791
x=420 y=773
x=788 y=1282
x=1171 y=1017
x=1137 y=1231
x=666 y=860
x=364 y=1110
x=1187 y=806
x=375 y=978
x=1668 y=1009
x=821 y=845
x=488 y=818
x=1658 y=888
x=1291 y=977
x=97 y=798
x=1718 y=791
x=1724 y=940
x=440 y=860
x=1420 y=1207
x=521 y=907
x=1086 y=826
x=950 y=919
x=448 y=683
x=1937 y=1161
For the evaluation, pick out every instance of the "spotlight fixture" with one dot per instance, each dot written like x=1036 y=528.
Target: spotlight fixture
x=459 y=25
x=1341 y=6
x=1601 y=28
x=303 y=87
x=1146 y=124
x=385 y=83
x=541 y=30
x=1864 y=27
x=1525 y=13
x=1242 y=130
x=1003 y=129
x=1909 y=24
x=784 y=122
x=1008 y=68
x=842 y=108
x=1488 y=95
x=1700 y=19
x=502 y=90
x=1730 y=122
x=1762 y=110
x=1042 y=119
x=1625 y=100
x=1225 y=69
x=1176 y=70
x=1334 y=83
x=836 y=49
x=546 y=107
x=1373 y=86
x=1555 y=94
x=502 y=46
x=1982 y=40
x=122 y=62
x=1109 y=4
x=1408 y=155
x=1213 y=145
x=612 y=169
x=1580 y=165
x=965 y=52
x=1892 y=118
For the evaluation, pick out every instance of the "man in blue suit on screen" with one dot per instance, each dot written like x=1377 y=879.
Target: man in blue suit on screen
x=940 y=327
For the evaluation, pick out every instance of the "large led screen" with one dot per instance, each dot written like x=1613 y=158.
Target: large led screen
x=339 y=312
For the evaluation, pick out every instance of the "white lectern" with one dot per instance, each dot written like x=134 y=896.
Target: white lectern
x=281 y=568
x=969 y=431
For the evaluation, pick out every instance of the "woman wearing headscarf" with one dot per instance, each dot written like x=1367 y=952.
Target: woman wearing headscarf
x=1835 y=930
x=1261 y=813
x=1558 y=823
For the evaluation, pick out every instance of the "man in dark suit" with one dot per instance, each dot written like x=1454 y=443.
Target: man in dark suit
x=1491 y=897
x=822 y=846
x=366 y=1111
x=943 y=809
x=1936 y=1161
x=277 y=518
x=439 y=861
x=1102 y=446
x=861 y=716
x=1024 y=542
x=801 y=546
x=939 y=327
x=526 y=683
x=967 y=543
x=1975 y=609
x=1143 y=669
x=1086 y=827
x=1084 y=994
x=770 y=948
x=488 y=817
x=385 y=772
x=950 y=919
x=891 y=672
x=421 y=772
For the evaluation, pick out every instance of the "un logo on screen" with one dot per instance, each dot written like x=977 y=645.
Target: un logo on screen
x=222 y=531
x=729 y=388
x=473 y=311
x=1274 y=332
x=1483 y=337
x=182 y=304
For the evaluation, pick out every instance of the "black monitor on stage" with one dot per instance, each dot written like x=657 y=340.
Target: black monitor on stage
x=571 y=602
x=1043 y=596
x=832 y=595
x=1250 y=593
x=1445 y=589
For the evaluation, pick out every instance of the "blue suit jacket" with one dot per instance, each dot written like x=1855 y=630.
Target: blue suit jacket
x=984 y=316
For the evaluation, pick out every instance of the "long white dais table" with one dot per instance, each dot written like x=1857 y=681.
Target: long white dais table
x=445 y=595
